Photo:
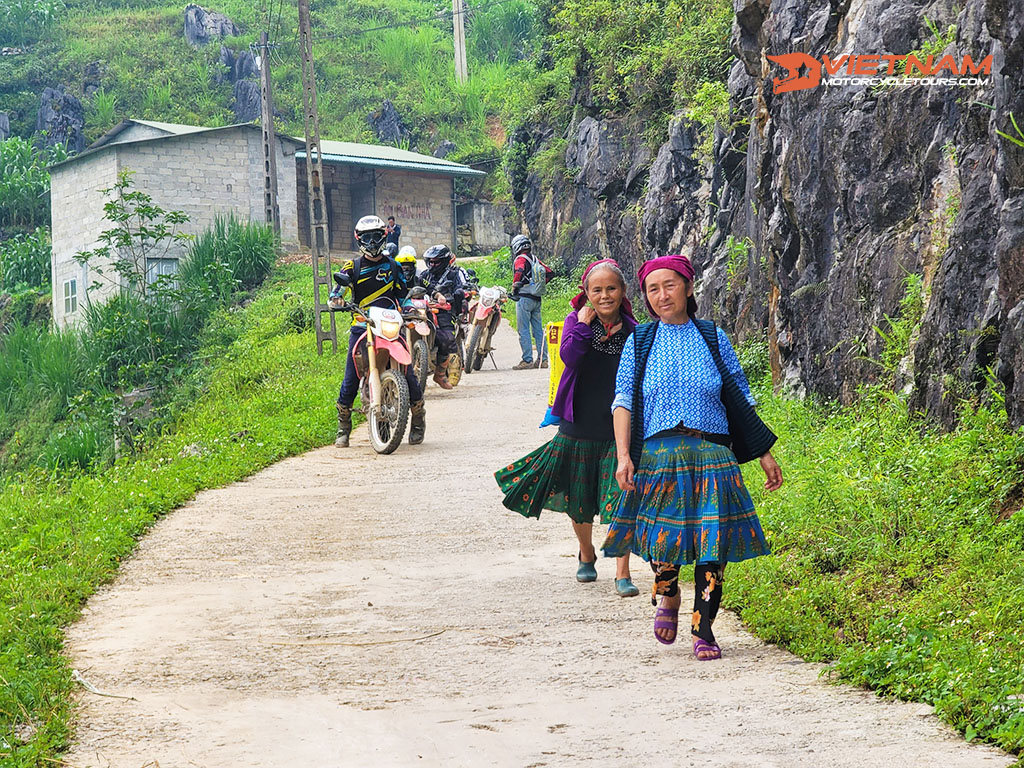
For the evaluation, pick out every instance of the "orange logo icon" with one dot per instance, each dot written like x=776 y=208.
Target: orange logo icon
x=803 y=72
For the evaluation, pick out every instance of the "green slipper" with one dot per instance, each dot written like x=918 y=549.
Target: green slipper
x=587 y=572
x=626 y=588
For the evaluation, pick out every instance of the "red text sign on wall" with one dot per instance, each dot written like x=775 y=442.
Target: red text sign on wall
x=405 y=211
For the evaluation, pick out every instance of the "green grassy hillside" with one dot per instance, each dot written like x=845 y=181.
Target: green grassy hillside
x=145 y=68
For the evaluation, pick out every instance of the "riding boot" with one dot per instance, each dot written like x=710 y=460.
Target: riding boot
x=344 y=425
x=418 y=425
x=441 y=375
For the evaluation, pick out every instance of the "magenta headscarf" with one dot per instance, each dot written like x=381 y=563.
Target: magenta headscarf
x=675 y=262
x=581 y=298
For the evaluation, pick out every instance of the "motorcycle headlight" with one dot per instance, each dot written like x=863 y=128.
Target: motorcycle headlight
x=389 y=329
x=487 y=300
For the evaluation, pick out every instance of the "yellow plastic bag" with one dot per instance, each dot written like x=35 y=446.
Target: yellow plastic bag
x=553 y=333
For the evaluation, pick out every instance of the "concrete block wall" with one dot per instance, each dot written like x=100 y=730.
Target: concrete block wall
x=77 y=200
x=203 y=174
x=421 y=203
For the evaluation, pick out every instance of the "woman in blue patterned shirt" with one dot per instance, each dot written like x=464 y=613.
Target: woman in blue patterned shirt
x=684 y=500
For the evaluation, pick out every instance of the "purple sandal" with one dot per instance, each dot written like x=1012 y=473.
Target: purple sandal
x=702 y=646
x=662 y=621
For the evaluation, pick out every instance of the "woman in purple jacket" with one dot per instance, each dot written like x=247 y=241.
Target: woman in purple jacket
x=575 y=472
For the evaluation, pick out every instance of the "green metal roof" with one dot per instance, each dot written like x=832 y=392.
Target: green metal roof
x=371 y=155
x=379 y=156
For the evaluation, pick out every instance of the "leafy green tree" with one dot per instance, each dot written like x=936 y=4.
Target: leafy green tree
x=143 y=232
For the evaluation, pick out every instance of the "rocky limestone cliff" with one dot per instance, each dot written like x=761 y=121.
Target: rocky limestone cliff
x=821 y=202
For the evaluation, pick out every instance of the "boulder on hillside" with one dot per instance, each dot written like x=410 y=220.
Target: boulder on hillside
x=445 y=148
x=239 y=66
x=387 y=124
x=248 y=104
x=92 y=77
x=5 y=126
x=202 y=26
x=62 y=117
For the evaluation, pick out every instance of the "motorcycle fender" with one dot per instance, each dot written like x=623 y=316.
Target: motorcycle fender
x=398 y=351
x=482 y=312
x=423 y=328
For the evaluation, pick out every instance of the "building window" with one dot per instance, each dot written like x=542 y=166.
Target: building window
x=70 y=297
x=156 y=268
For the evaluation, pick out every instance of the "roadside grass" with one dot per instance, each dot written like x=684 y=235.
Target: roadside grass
x=896 y=555
x=260 y=394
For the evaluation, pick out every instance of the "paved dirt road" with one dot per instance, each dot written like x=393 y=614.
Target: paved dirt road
x=347 y=609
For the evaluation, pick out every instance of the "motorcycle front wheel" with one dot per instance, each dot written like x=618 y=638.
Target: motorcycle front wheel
x=421 y=361
x=387 y=423
x=472 y=360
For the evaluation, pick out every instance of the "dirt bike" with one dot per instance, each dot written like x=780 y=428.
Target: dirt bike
x=485 y=317
x=384 y=392
x=424 y=344
x=421 y=334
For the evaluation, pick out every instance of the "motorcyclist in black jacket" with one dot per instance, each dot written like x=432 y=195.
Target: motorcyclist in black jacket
x=444 y=277
x=375 y=279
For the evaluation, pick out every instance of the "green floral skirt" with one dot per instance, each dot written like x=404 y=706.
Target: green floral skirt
x=567 y=475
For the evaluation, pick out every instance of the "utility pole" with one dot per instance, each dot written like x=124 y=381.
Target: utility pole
x=319 y=243
x=459 y=23
x=273 y=213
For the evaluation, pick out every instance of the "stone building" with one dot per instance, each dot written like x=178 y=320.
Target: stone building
x=207 y=172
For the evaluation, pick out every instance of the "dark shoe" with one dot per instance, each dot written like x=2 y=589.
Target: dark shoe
x=418 y=425
x=626 y=588
x=586 y=572
x=522 y=365
x=344 y=426
x=543 y=363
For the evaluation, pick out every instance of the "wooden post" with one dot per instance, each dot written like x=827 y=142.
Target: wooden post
x=458 y=22
x=319 y=243
x=271 y=209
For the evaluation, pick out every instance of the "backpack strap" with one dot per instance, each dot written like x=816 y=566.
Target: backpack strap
x=643 y=342
x=751 y=437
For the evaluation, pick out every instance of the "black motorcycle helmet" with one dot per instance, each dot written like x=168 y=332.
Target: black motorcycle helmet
x=437 y=257
x=390 y=250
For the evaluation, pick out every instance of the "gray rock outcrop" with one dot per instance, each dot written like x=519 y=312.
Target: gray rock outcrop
x=820 y=203
x=203 y=26
x=5 y=126
x=248 y=105
x=387 y=124
x=62 y=117
x=237 y=66
x=445 y=148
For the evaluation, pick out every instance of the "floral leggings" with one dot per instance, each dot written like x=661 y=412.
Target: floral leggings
x=707 y=593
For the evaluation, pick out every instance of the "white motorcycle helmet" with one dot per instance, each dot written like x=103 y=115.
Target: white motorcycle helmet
x=370 y=235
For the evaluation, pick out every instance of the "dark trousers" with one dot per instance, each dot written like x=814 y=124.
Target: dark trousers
x=707 y=593
x=350 y=384
x=445 y=342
